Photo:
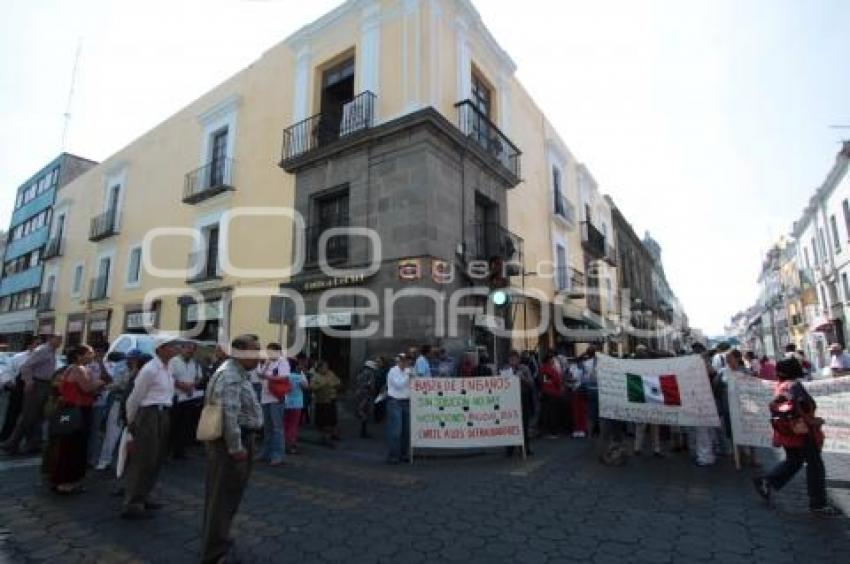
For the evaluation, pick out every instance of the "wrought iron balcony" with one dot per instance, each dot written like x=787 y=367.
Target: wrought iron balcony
x=570 y=281
x=494 y=241
x=325 y=128
x=45 y=302
x=565 y=209
x=592 y=240
x=611 y=255
x=97 y=290
x=594 y=301
x=477 y=126
x=53 y=248
x=202 y=267
x=336 y=246
x=207 y=181
x=103 y=225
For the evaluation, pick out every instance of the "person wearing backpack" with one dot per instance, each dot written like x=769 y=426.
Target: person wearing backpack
x=798 y=431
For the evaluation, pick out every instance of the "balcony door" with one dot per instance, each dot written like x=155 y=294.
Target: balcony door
x=102 y=282
x=211 y=262
x=337 y=90
x=218 y=156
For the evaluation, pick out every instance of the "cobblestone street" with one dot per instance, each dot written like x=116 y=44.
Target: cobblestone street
x=344 y=505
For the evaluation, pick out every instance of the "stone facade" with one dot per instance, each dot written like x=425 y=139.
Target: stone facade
x=416 y=182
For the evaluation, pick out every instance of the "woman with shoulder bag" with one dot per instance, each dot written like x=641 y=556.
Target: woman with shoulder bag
x=798 y=431
x=70 y=425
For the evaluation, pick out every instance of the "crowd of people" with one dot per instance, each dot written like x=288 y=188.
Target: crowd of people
x=135 y=410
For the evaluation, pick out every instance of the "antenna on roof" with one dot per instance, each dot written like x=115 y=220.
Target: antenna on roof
x=67 y=115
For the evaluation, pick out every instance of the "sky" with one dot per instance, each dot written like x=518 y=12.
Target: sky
x=707 y=121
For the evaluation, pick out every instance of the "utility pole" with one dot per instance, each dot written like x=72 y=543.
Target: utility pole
x=67 y=115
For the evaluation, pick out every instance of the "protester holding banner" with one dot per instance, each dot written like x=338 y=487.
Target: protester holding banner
x=641 y=352
x=704 y=451
x=398 y=411
x=526 y=382
x=798 y=431
x=551 y=400
x=588 y=390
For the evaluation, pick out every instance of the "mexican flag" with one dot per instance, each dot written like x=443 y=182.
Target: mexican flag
x=663 y=390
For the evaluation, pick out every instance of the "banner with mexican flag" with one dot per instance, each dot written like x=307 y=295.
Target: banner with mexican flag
x=666 y=391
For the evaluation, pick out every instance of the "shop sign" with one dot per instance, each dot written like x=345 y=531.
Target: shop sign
x=140 y=319
x=441 y=271
x=329 y=283
x=212 y=310
x=75 y=326
x=97 y=325
x=325 y=320
x=409 y=269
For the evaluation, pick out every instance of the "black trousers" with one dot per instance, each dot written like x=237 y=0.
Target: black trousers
x=551 y=414
x=184 y=424
x=29 y=424
x=13 y=410
x=815 y=471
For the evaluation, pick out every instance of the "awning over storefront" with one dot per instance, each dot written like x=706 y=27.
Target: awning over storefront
x=821 y=323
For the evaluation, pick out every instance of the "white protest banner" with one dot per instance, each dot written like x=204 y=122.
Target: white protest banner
x=750 y=397
x=664 y=391
x=465 y=412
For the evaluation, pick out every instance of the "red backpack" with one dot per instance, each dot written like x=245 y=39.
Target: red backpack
x=791 y=424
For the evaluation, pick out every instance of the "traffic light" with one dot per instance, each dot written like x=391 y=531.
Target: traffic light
x=499 y=297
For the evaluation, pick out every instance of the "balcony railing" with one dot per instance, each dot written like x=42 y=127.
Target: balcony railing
x=103 y=225
x=208 y=181
x=45 y=302
x=97 y=290
x=324 y=128
x=592 y=240
x=611 y=255
x=494 y=241
x=336 y=246
x=571 y=281
x=594 y=301
x=565 y=209
x=201 y=268
x=53 y=248
x=477 y=126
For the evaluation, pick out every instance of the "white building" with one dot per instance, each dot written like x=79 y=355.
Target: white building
x=823 y=235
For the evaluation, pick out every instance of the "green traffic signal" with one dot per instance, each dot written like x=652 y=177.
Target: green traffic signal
x=499 y=297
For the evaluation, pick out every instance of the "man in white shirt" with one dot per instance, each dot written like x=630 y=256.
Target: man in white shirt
x=15 y=386
x=185 y=413
x=148 y=408
x=398 y=411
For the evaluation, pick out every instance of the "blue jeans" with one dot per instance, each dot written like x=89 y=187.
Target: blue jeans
x=273 y=432
x=398 y=429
